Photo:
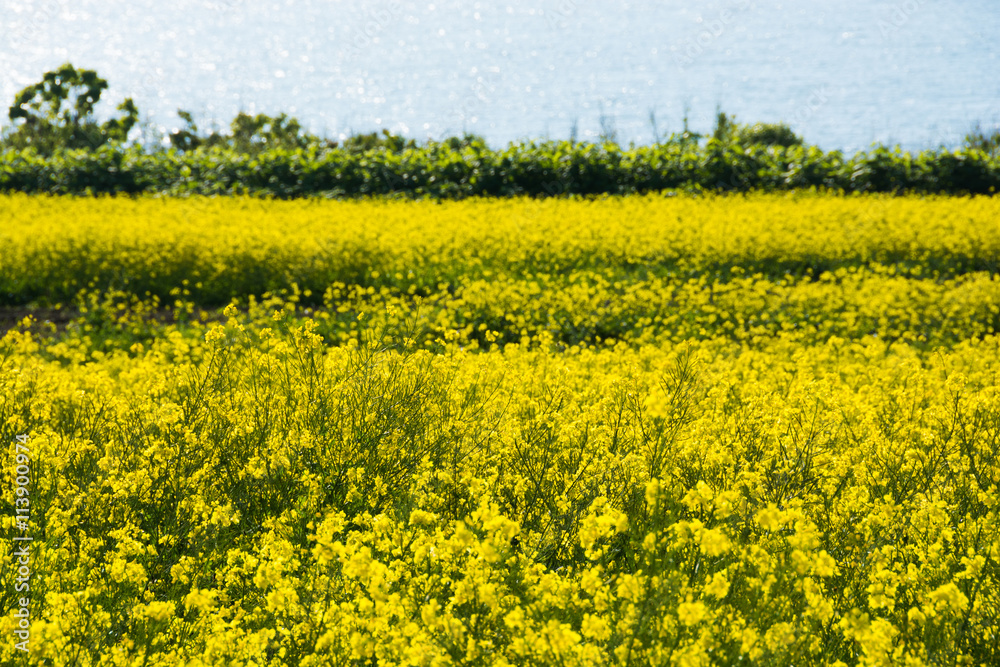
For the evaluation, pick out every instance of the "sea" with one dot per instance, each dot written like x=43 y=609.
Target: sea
x=843 y=74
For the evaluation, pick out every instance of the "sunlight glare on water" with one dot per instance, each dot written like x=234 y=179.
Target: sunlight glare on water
x=844 y=75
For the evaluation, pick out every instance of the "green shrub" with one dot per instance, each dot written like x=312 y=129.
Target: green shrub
x=470 y=168
x=758 y=134
x=767 y=134
x=987 y=141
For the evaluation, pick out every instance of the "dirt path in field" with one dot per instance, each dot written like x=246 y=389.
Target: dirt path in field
x=45 y=318
x=11 y=317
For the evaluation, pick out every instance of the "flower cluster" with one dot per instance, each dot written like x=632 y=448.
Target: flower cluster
x=419 y=484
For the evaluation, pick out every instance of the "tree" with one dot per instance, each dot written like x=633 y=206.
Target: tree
x=189 y=137
x=57 y=113
x=261 y=132
x=249 y=134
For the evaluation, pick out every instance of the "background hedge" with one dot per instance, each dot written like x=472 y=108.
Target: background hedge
x=457 y=169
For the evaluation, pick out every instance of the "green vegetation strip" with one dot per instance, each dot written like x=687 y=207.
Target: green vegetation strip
x=459 y=169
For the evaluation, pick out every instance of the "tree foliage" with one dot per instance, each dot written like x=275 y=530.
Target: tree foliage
x=58 y=112
x=247 y=134
x=987 y=140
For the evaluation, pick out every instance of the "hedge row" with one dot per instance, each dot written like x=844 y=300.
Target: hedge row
x=455 y=170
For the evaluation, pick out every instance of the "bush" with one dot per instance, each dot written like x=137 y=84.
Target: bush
x=759 y=134
x=768 y=134
x=987 y=141
x=465 y=168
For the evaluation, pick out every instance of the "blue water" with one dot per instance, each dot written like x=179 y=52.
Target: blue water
x=918 y=73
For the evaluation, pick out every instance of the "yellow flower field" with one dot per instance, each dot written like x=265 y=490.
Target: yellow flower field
x=755 y=430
